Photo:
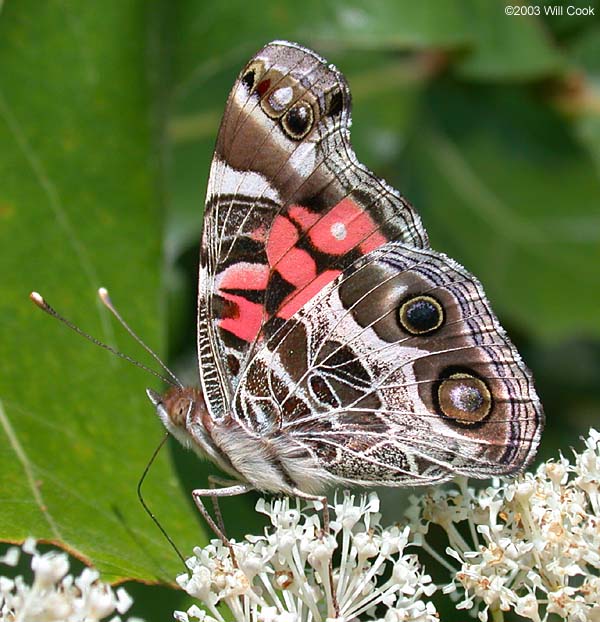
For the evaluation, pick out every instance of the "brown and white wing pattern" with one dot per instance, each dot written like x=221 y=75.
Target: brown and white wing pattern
x=396 y=373
x=288 y=209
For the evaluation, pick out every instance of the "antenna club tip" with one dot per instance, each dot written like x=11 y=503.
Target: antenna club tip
x=37 y=299
x=103 y=293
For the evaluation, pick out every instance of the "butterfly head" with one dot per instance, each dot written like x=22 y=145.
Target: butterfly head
x=178 y=408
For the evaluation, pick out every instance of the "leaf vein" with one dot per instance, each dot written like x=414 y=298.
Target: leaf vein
x=29 y=472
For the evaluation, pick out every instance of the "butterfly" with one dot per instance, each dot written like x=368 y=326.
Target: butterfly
x=335 y=347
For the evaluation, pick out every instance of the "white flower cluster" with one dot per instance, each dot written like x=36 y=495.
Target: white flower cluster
x=54 y=595
x=291 y=574
x=531 y=545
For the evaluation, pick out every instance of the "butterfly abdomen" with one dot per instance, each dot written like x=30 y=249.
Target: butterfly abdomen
x=271 y=463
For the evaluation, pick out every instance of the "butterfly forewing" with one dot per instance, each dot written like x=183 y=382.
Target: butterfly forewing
x=288 y=208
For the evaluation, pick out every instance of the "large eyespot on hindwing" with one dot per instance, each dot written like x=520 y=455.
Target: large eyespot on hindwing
x=421 y=315
x=298 y=120
x=463 y=397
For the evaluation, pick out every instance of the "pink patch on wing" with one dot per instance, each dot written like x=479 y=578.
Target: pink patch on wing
x=282 y=237
x=297 y=267
x=341 y=229
x=304 y=217
x=297 y=299
x=243 y=275
x=248 y=321
x=345 y=227
x=375 y=240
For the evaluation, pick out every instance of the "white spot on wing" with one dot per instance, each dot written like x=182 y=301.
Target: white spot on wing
x=228 y=180
x=339 y=231
x=280 y=98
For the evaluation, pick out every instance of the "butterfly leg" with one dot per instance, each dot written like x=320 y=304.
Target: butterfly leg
x=229 y=491
x=324 y=531
x=213 y=482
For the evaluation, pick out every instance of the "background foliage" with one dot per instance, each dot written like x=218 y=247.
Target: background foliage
x=488 y=124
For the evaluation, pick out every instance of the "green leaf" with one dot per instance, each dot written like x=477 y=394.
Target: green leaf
x=79 y=208
x=508 y=47
x=505 y=188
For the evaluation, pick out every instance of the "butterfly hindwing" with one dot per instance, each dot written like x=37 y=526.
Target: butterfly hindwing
x=397 y=372
x=288 y=209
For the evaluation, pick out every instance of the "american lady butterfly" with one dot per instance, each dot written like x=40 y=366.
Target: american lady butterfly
x=335 y=346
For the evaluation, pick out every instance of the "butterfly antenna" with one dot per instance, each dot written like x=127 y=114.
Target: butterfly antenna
x=145 y=505
x=39 y=301
x=107 y=302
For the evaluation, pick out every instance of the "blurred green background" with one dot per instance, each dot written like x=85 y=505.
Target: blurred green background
x=489 y=124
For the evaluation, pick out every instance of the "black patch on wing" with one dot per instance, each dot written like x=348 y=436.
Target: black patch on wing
x=341 y=361
x=245 y=249
x=277 y=290
x=231 y=341
x=336 y=104
x=272 y=326
x=252 y=295
x=317 y=203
